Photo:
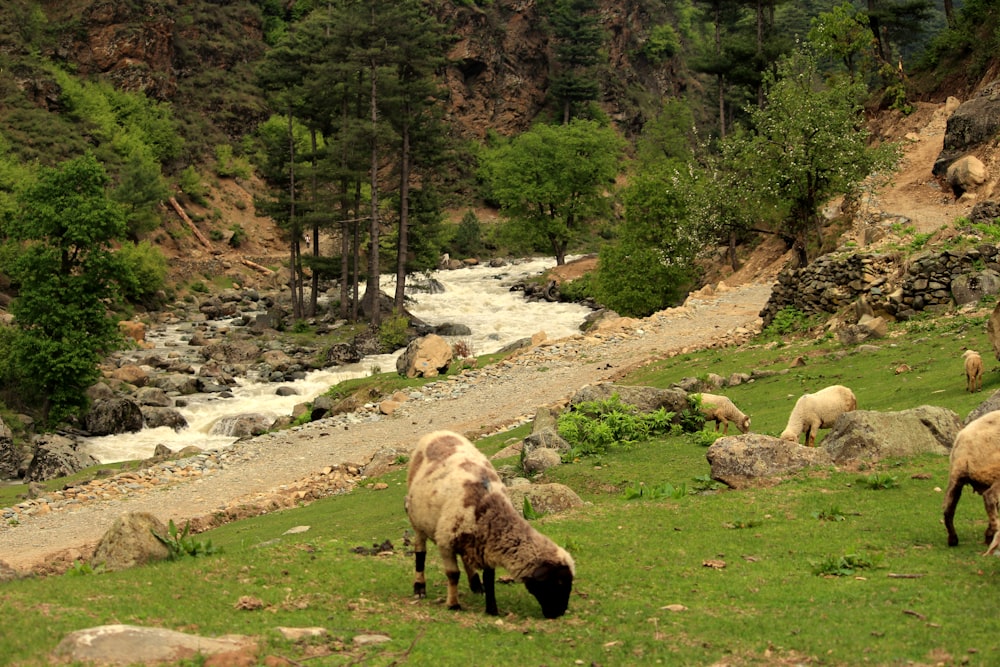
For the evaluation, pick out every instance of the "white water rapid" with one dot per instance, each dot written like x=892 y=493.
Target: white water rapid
x=478 y=297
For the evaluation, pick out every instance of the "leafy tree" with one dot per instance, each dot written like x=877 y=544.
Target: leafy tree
x=140 y=190
x=66 y=272
x=809 y=144
x=651 y=265
x=843 y=36
x=553 y=180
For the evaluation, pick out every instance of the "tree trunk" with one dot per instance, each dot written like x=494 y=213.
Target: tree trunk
x=949 y=13
x=372 y=288
x=293 y=231
x=402 y=246
x=314 y=282
x=732 y=250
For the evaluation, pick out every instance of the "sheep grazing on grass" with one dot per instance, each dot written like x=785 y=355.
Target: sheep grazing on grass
x=818 y=410
x=975 y=460
x=722 y=410
x=973 y=370
x=456 y=499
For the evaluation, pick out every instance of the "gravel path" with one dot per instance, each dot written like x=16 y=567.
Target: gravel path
x=40 y=535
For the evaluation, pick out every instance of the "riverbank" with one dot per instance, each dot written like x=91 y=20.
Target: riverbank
x=270 y=470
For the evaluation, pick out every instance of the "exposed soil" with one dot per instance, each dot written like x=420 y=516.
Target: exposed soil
x=497 y=397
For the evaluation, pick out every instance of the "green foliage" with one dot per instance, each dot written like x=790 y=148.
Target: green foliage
x=844 y=566
x=640 y=491
x=392 y=333
x=662 y=44
x=80 y=568
x=239 y=235
x=229 y=166
x=144 y=272
x=595 y=427
x=528 y=511
x=832 y=514
x=191 y=184
x=553 y=180
x=141 y=189
x=181 y=543
x=788 y=320
x=881 y=480
x=468 y=239
x=66 y=272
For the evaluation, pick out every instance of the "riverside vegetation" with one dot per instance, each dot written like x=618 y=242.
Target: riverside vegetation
x=838 y=567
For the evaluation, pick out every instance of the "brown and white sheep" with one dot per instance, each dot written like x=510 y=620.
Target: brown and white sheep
x=973 y=370
x=456 y=499
x=722 y=410
x=818 y=410
x=975 y=460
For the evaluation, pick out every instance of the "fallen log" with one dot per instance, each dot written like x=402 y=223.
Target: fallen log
x=190 y=223
x=257 y=267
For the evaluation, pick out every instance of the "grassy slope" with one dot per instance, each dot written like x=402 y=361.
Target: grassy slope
x=634 y=557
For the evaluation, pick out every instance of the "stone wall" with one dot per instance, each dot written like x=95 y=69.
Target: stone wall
x=894 y=286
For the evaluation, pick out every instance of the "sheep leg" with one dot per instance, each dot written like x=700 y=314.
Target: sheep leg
x=451 y=571
x=951 y=498
x=991 y=500
x=420 y=558
x=725 y=427
x=474 y=584
x=489 y=576
x=811 y=436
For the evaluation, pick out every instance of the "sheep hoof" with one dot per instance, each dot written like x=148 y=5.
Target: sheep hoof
x=475 y=585
x=455 y=607
x=420 y=590
x=492 y=611
x=952 y=541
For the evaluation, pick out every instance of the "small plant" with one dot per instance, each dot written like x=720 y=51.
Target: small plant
x=375 y=369
x=704 y=483
x=639 y=490
x=462 y=349
x=79 y=568
x=881 y=480
x=300 y=327
x=832 y=514
x=392 y=332
x=786 y=321
x=180 y=543
x=595 y=426
x=704 y=438
x=528 y=511
x=844 y=566
x=239 y=236
x=402 y=459
x=737 y=524
x=198 y=286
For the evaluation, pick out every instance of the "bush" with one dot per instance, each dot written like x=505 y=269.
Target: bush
x=146 y=268
x=392 y=333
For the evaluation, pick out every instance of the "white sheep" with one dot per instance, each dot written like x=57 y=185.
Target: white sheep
x=973 y=370
x=818 y=410
x=722 y=410
x=975 y=460
x=456 y=499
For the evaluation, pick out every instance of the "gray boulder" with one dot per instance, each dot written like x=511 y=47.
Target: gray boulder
x=872 y=436
x=113 y=416
x=972 y=287
x=426 y=357
x=540 y=460
x=645 y=399
x=14 y=458
x=130 y=541
x=545 y=498
x=989 y=405
x=242 y=426
x=742 y=461
x=974 y=122
x=545 y=439
x=56 y=456
x=154 y=396
x=155 y=417
x=232 y=351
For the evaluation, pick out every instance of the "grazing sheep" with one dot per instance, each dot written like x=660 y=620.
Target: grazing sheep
x=456 y=499
x=973 y=370
x=818 y=410
x=722 y=410
x=975 y=460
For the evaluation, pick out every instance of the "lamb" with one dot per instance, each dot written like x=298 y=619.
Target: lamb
x=456 y=499
x=973 y=370
x=975 y=460
x=722 y=410
x=818 y=410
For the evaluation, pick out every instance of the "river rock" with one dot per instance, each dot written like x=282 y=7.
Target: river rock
x=56 y=456
x=231 y=351
x=137 y=645
x=156 y=416
x=14 y=458
x=153 y=396
x=428 y=357
x=242 y=426
x=545 y=498
x=539 y=460
x=873 y=436
x=116 y=415
x=742 y=461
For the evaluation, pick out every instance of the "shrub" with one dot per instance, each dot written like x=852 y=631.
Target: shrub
x=392 y=332
x=596 y=426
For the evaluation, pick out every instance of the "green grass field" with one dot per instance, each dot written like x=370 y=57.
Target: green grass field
x=826 y=567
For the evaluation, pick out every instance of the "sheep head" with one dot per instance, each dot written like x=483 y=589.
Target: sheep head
x=551 y=584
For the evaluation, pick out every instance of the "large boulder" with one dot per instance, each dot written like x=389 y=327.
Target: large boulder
x=56 y=456
x=113 y=416
x=130 y=541
x=972 y=287
x=427 y=357
x=154 y=396
x=645 y=399
x=966 y=173
x=232 y=351
x=872 y=436
x=973 y=123
x=156 y=416
x=545 y=498
x=137 y=645
x=242 y=426
x=753 y=459
x=989 y=405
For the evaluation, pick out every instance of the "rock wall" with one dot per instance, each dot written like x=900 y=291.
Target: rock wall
x=892 y=285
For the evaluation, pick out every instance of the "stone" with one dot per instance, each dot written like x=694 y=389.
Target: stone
x=989 y=405
x=243 y=425
x=539 y=460
x=742 y=461
x=154 y=396
x=155 y=417
x=972 y=287
x=14 y=458
x=547 y=438
x=873 y=436
x=113 y=416
x=645 y=399
x=56 y=456
x=544 y=498
x=130 y=541
x=131 y=645
x=427 y=356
